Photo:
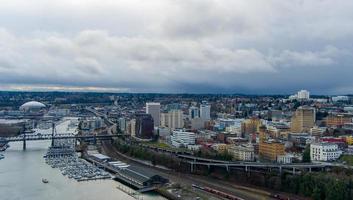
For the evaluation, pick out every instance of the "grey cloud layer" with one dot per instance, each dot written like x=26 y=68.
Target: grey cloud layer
x=179 y=46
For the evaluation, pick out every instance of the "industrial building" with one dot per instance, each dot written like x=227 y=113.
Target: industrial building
x=139 y=178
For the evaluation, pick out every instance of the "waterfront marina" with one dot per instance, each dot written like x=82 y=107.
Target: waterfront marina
x=72 y=166
x=25 y=170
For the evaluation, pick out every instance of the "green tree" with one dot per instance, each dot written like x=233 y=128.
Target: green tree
x=306 y=154
x=336 y=190
x=316 y=195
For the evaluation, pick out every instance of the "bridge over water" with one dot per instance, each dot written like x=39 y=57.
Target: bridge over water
x=38 y=137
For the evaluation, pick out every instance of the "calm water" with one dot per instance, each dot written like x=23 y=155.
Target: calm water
x=21 y=174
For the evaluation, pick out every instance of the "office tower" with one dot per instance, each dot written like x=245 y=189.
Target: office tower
x=205 y=111
x=271 y=150
x=144 y=126
x=194 y=112
x=122 y=124
x=154 y=109
x=303 y=119
x=250 y=126
x=164 y=119
x=132 y=125
x=173 y=119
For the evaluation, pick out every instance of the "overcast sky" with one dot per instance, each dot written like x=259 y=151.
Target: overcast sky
x=194 y=46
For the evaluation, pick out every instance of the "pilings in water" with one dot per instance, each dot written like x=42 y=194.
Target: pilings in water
x=52 y=134
x=24 y=137
x=24 y=141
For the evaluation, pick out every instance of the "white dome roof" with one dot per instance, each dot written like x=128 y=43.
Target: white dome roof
x=32 y=105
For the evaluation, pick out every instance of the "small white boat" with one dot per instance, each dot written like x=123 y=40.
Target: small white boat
x=45 y=180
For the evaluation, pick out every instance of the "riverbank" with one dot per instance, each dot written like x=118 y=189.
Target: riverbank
x=189 y=179
x=21 y=174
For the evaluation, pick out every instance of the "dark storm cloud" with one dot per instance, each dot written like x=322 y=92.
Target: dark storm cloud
x=208 y=46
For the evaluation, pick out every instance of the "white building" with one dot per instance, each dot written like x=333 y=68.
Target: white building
x=317 y=131
x=285 y=159
x=194 y=147
x=303 y=95
x=324 y=152
x=154 y=109
x=205 y=111
x=242 y=152
x=182 y=138
x=340 y=98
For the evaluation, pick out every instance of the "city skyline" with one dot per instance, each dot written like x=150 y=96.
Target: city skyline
x=267 y=47
x=175 y=99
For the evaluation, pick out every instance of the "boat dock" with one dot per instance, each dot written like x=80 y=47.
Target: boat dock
x=72 y=166
x=142 y=180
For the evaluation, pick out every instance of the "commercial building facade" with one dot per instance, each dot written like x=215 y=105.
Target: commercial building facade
x=270 y=150
x=324 y=152
x=338 y=120
x=250 y=126
x=182 y=138
x=194 y=112
x=205 y=111
x=173 y=119
x=144 y=126
x=154 y=109
x=303 y=119
x=242 y=152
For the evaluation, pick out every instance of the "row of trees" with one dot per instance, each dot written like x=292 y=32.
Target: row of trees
x=318 y=186
x=335 y=185
x=206 y=153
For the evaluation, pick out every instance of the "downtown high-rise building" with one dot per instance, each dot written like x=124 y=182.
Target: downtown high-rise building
x=205 y=111
x=250 y=126
x=154 y=109
x=143 y=126
x=303 y=119
x=303 y=95
x=122 y=124
x=194 y=112
x=173 y=119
